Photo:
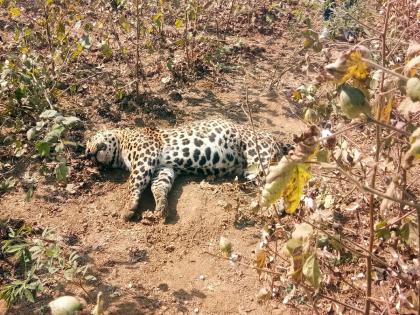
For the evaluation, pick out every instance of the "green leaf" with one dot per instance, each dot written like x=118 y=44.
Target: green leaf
x=39 y=125
x=294 y=246
x=62 y=172
x=106 y=50
x=302 y=231
x=77 y=51
x=14 y=248
x=51 y=251
x=69 y=143
x=61 y=31
x=7 y=184
x=31 y=133
x=59 y=147
x=54 y=134
x=404 y=232
x=408 y=233
x=28 y=295
x=382 y=230
x=88 y=27
x=322 y=156
x=29 y=193
x=311 y=271
x=124 y=24
x=49 y=113
x=225 y=246
x=157 y=18
x=90 y=278
x=70 y=121
x=43 y=148
x=68 y=274
x=27 y=31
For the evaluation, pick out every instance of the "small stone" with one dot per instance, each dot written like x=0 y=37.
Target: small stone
x=263 y=294
x=196 y=310
x=170 y=248
x=175 y=96
x=71 y=189
x=202 y=277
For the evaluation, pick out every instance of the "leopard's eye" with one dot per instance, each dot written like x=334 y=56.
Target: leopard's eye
x=100 y=146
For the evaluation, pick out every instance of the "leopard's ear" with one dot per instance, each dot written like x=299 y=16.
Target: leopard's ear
x=102 y=127
x=89 y=133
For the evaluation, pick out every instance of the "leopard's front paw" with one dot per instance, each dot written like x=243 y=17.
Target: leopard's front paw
x=151 y=217
x=162 y=209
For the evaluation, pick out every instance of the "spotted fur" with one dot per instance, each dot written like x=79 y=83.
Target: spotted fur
x=211 y=147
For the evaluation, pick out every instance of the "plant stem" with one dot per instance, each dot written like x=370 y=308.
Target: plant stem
x=418 y=255
x=49 y=37
x=137 y=48
x=378 y=66
x=362 y=253
x=363 y=24
x=375 y=169
x=253 y=129
x=246 y=265
x=384 y=125
x=369 y=189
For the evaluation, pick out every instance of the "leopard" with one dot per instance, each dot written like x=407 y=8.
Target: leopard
x=156 y=156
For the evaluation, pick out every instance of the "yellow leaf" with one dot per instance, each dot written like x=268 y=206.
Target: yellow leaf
x=24 y=50
x=307 y=42
x=415 y=144
x=15 y=12
x=386 y=111
x=260 y=259
x=179 y=23
x=297 y=95
x=77 y=51
x=294 y=189
x=357 y=68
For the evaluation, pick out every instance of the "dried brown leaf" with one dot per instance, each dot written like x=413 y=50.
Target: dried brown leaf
x=393 y=190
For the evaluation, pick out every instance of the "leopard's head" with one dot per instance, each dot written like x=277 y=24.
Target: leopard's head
x=103 y=147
